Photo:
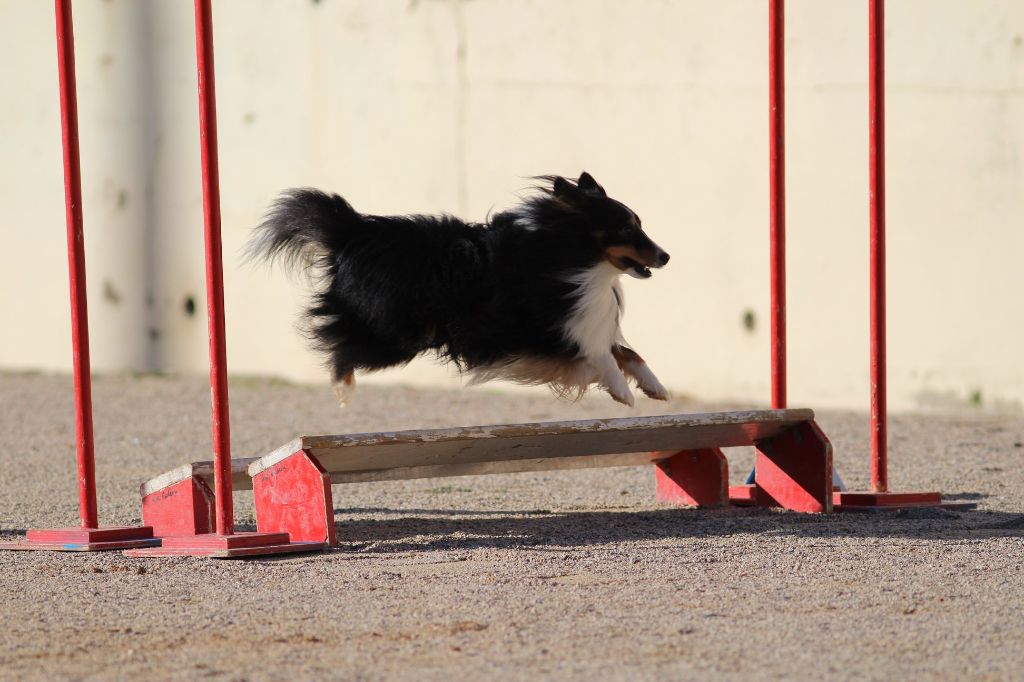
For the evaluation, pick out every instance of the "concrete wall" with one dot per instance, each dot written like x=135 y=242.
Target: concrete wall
x=430 y=105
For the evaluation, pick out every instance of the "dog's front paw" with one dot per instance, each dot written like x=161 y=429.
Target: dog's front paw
x=648 y=383
x=621 y=394
x=656 y=394
x=654 y=390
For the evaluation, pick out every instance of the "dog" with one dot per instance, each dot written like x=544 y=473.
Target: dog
x=532 y=295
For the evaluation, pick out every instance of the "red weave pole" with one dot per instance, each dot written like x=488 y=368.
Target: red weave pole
x=777 y=189
x=76 y=265
x=876 y=106
x=214 y=269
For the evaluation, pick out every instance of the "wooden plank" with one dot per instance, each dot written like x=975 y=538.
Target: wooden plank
x=507 y=448
x=530 y=447
x=500 y=467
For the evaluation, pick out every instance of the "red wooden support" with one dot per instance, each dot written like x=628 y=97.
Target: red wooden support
x=236 y=545
x=743 y=495
x=294 y=496
x=84 y=539
x=794 y=470
x=76 y=264
x=879 y=498
x=876 y=106
x=224 y=542
x=87 y=537
x=184 y=508
x=214 y=269
x=777 y=189
x=872 y=500
x=777 y=199
x=695 y=478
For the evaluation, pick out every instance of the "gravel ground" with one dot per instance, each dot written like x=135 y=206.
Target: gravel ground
x=567 y=575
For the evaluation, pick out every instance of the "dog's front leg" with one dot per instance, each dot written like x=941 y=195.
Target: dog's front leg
x=634 y=366
x=611 y=378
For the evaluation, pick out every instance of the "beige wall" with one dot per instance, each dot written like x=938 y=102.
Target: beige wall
x=430 y=105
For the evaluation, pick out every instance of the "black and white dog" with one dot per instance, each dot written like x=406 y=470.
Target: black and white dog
x=531 y=296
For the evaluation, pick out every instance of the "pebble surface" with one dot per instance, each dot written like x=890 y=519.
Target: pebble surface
x=567 y=575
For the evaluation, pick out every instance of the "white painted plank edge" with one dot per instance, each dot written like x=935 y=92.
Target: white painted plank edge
x=240 y=479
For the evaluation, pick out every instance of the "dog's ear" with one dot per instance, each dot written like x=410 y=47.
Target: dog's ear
x=564 y=190
x=588 y=185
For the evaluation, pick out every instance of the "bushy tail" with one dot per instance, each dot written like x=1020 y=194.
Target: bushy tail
x=302 y=227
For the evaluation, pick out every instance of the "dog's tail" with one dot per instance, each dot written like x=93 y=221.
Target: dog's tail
x=302 y=227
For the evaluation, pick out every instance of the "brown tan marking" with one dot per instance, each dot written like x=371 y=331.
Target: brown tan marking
x=624 y=355
x=616 y=255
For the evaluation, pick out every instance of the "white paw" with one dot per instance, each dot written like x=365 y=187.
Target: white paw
x=654 y=390
x=620 y=393
x=646 y=381
x=610 y=378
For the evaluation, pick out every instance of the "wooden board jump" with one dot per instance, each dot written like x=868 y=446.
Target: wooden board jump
x=292 y=484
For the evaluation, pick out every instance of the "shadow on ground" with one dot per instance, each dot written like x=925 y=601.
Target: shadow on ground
x=446 y=529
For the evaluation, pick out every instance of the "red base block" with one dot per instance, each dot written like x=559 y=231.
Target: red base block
x=695 y=478
x=746 y=495
x=293 y=496
x=872 y=501
x=743 y=495
x=794 y=470
x=184 y=508
x=85 y=539
x=227 y=546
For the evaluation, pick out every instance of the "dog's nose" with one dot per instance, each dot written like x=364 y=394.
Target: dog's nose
x=663 y=258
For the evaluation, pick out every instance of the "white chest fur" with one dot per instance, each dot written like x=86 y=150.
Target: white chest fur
x=593 y=324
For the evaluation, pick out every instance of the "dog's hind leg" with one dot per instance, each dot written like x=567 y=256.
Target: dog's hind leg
x=364 y=353
x=633 y=366
x=610 y=377
x=344 y=386
x=343 y=375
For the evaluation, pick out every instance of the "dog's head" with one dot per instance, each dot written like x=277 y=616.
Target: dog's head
x=613 y=226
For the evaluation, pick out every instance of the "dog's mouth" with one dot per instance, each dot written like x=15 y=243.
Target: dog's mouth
x=635 y=268
x=634 y=262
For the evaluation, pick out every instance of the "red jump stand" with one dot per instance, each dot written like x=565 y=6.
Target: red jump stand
x=225 y=542
x=292 y=497
x=879 y=497
x=89 y=537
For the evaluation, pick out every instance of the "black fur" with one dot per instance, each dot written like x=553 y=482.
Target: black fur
x=389 y=288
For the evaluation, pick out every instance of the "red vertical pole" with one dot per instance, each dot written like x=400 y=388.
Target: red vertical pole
x=76 y=265
x=876 y=106
x=214 y=269
x=777 y=189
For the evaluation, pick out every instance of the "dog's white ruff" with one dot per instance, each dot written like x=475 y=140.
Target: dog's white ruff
x=593 y=325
